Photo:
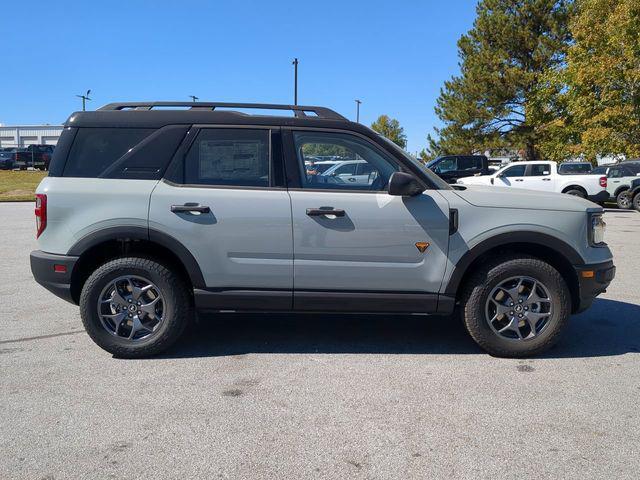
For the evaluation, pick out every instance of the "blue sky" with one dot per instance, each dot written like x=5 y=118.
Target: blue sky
x=394 y=56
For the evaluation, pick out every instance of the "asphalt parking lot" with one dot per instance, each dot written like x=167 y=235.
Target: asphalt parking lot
x=284 y=396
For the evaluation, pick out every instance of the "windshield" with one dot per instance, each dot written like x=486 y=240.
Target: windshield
x=436 y=180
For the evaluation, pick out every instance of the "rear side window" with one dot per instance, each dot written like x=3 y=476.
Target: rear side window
x=539 y=171
x=469 y=163
x=96 y=149
x=229 y=157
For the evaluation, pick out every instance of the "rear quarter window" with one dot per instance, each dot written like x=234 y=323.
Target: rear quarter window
x=96 y=149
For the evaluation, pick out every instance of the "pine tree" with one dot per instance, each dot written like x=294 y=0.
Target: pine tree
x=504 y=60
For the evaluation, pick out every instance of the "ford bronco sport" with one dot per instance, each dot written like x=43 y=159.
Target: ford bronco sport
x=152 y=212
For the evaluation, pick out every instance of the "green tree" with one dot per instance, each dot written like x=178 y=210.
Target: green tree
x=603 y=77
x=390 y=128
x=496 y=101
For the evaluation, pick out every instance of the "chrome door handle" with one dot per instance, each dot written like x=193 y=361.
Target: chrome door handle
x=190 y=207
x=318 y=212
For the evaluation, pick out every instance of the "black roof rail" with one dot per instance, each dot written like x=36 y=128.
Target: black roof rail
x=298 y=110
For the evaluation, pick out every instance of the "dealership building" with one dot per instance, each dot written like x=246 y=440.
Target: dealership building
x=25 y=135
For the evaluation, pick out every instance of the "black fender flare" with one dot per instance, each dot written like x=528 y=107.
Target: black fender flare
x=505 y=239
x=132 y=232
x=623 y=188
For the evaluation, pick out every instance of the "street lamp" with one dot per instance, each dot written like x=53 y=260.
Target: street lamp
x=358 y=102
x=84 y=99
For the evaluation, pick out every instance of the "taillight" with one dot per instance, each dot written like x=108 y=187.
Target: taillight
x=603 y=182
x=41 y=213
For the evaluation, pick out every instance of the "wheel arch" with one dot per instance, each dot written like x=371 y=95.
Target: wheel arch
x=556 y=252
x=574 y=187
x=621 y=189
x=113 y=242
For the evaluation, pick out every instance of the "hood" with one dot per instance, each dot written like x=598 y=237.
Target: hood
x=504 y=197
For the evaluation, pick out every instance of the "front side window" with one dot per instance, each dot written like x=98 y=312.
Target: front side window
x=516 y=171
x=229 y=157
x=356 y=165
x=449 y=164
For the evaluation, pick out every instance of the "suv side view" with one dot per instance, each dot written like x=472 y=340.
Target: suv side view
x=151 y=214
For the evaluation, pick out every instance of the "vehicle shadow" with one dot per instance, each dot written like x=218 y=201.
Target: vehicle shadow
x=608 y=328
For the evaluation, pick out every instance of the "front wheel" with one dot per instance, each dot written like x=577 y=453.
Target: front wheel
x=516 y=306
x=636 y=202
x=134 y=307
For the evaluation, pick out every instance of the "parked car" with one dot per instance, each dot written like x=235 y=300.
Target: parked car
x=619 y=181
x=543 y=176
x=148 y=215
x=7 y=159
x=452 y=167
x=36 y=156
x=633 y=194
x=575 y=168
x=352 y=171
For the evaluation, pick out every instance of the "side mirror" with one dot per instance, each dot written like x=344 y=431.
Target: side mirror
x=404 y=185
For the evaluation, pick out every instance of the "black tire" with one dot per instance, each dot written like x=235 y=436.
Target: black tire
x=623 y=199
x=636 y=201
x=576 y=192
x=489 y=275
x=178 y=310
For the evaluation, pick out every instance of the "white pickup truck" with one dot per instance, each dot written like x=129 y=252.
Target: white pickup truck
x=544 y=176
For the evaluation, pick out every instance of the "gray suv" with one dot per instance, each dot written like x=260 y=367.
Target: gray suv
x=151 y=213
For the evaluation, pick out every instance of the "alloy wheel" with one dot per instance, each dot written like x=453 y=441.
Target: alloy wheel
x=131 y=307
x=519 y=308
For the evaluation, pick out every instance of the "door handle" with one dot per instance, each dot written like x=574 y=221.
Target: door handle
x=351 y=179
x=318 y=212
x=546 y=179
x=190 y=207
x=519 y=180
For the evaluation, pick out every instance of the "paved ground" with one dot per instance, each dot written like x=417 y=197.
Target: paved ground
x=281 y=396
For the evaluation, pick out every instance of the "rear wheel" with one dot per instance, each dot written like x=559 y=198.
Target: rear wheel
x=516 y=306
x=134 y=307
x=636 y=201
x=623 y=199
x=576 y=192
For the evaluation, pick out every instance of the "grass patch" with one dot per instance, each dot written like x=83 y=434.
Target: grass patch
x=19 y=185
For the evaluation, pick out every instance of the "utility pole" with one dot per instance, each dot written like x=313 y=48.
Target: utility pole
x=194 y=98
x=84 y=99
x=358 y=102
x=295 y=81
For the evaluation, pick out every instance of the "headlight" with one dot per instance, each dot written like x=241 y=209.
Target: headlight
x=598 y=226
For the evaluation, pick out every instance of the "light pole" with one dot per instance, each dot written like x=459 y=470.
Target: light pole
x=84 y=99
x=358 y=102
x=295 y=81
x=194 y=98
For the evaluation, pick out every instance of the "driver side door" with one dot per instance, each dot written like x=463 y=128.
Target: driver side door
x=512 y=176
x=354 y=245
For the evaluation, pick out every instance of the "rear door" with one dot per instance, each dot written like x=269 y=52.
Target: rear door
x=538 y=177
x=355 y=246
x=224 y=200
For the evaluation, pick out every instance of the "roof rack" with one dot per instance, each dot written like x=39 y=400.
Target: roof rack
x=298 y=110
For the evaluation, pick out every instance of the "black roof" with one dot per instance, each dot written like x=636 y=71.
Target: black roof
x=159 y=114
